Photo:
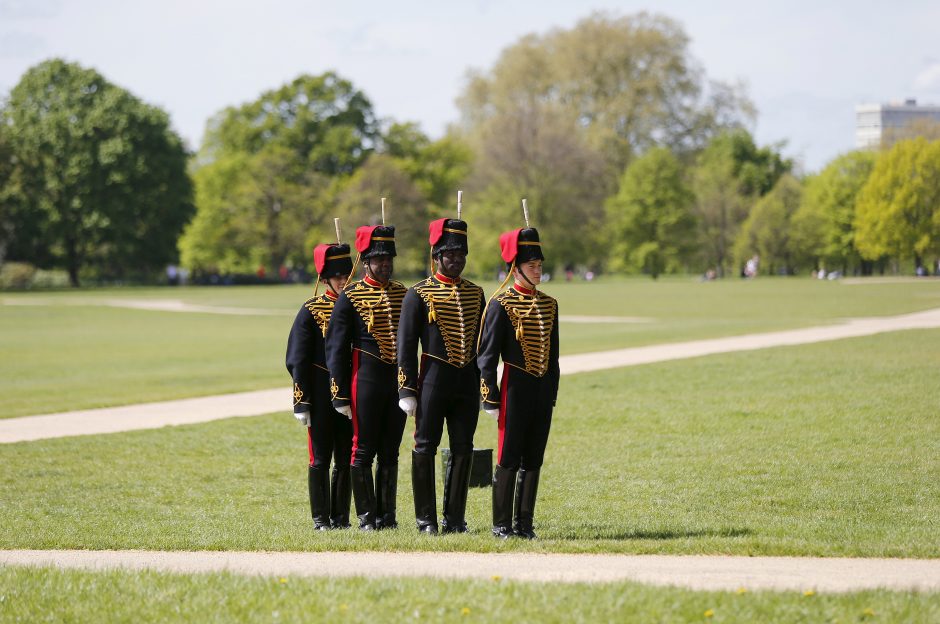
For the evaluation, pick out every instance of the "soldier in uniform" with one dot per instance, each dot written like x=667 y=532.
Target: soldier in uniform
x=360 y=351
x=329 y=433
x=520 y=326
x=441 y=312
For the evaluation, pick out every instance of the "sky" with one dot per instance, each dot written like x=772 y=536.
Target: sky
x=805 y=64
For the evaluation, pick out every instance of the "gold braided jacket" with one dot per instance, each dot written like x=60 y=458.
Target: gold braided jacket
x=532 y=319
x=379 y=308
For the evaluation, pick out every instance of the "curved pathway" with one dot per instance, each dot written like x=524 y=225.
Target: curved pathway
x=694 y=572
x=204 y=409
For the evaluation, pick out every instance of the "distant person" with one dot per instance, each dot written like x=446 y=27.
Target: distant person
x=441 y=314
x=361 y=353
x=329 y=433
x=520 y=326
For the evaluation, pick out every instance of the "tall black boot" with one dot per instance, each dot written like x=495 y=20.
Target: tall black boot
x=364 y=494
x=340 y=494
x=318 y=483
x=422 y=484
x=527 y=488
x=386 y=493
x=504 y=485
x=456 y=484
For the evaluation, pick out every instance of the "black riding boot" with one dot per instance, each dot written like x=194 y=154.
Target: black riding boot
x=340 y=494
x=422 y=483
x=504 y=485
x=318 y=483
x=386 y=493
x=364 y=494
x=456 y=484
x=527 y=489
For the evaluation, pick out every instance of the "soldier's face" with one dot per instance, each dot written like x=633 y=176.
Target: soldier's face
x=380 y=268
x=532 y=270
x=452 y=262
x=337 y=283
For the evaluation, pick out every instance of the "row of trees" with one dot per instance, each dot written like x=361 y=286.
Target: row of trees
x=630 y=159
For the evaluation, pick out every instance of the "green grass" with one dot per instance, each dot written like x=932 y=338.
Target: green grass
x=46 y=595
x=830 y=449
x=59 y=353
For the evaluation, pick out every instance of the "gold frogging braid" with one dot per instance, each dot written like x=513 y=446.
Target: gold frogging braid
x=320 y=307
x=456 y=310
x=378 y=307
x=533 y=319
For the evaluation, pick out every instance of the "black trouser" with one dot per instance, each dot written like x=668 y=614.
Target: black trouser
x=378 y=422
x=330 y=433
x=525 y=417
x=446 y=393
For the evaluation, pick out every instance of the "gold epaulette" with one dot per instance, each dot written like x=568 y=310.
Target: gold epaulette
x=321 y=307
x=456 y=310
x=380 y=309
x=533 y=318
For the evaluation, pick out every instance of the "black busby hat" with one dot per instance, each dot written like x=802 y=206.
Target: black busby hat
x=375 y=240
x=521 y=245
x=448 y=234
x=331 y=260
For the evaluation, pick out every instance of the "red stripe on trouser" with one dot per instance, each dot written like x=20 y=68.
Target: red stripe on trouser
x=310 y=443
x=355 y=415
x=504 y=391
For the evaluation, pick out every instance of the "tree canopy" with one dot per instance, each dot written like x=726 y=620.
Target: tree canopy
x=99 y=179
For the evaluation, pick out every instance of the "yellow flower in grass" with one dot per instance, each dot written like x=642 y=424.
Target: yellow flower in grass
x=869 y=612
x=709 y=613
x=282 y=580
x=742 y=590
x=465 y=611
x=343 y=607
x=497 y=577
x=809 y=592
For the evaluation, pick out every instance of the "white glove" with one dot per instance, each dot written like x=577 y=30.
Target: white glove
x=493 y=412
x=345 y=411
x=409 y=405
x=303 y=418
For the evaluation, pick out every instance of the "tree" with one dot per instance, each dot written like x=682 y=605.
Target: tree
x=406 y=209
x=729 y=175
x=269 y=174
x=898 y=210
x=767 y=229
x=101 y=178
x=824 y=225
x=651 y=224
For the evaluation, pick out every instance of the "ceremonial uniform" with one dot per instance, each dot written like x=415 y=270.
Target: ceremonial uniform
x=443 y=315
x=521 y=327
x=361 y=353
x=329 y=434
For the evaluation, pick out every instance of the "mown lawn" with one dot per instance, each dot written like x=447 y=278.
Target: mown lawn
x=830 y=449
x=46 y=595
x=65 y=351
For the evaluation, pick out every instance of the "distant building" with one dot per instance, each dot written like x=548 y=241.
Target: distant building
x=877 y=123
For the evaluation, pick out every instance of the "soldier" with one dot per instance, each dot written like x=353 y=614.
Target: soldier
x=441 y=312
x=329 y=433
x=360 y=351
x=520 y=326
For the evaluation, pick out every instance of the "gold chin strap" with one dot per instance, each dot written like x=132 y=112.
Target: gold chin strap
x=316 y=286
x=499 y=289
x=353 y=272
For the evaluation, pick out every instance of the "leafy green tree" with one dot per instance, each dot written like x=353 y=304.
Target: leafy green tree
x=898 y=210
x=767 y=230
x=650 y=219
x=729 y=175
x=824 y=225
x=269 y=175
x=629 y=83
x=406 y=209
x=101 y=178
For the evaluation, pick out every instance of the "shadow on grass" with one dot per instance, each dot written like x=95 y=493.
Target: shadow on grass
x=605 y=533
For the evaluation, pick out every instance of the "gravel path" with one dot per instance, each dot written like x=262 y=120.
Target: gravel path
x=204 y=409
x=693 y=572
